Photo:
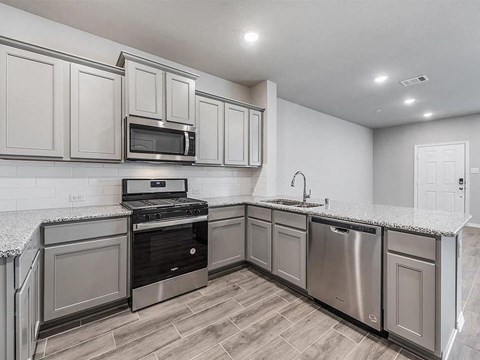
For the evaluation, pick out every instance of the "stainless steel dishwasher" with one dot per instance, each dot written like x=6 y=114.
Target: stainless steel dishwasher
x=345 y=268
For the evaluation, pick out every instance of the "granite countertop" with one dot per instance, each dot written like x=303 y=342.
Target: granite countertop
x=18 y=227
x=429 y=222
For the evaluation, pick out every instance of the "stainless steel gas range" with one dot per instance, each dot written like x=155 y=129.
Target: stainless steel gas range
x=170 y=239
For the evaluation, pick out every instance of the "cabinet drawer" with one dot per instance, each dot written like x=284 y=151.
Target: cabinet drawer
x=62 y=233
x=259 y=213
x=228 y=212
x=290 y=219
x=410 y=244
x=83 y=275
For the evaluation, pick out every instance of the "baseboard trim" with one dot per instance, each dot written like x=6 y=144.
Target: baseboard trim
x=470 y=224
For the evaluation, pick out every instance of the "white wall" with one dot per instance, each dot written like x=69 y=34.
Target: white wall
x=336 y=155
x=394 y=157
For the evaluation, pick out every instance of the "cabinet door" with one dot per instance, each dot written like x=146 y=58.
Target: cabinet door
x=83 y=275
x=144 y=90
x=36 y=298
x=180 y=95
x=24 y=319
x=236 y=135
x=290 y=255
x=259 y=243
x=210 y=131
x=33 y=103
x=255 y=138
x=95 y=113
x=410 y=307
x=226 y=242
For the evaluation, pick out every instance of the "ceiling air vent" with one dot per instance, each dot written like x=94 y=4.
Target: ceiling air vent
x=415 y=80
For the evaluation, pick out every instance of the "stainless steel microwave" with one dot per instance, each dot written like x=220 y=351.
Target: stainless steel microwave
x=154 y=140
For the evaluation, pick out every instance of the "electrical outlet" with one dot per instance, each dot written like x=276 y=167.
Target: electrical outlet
x=77 y=197
x=474 y=170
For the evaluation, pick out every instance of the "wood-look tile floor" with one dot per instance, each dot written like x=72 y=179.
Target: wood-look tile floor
x=244 y=315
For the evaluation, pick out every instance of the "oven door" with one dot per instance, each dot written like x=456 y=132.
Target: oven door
x=155 y=140
x=165 y=249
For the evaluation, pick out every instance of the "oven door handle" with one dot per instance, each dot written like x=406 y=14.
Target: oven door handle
x=162 y=224
x=187 y=143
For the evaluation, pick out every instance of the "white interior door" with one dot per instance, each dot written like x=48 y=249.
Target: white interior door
x=440 y=177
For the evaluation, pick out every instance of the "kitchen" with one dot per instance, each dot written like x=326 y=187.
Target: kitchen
x=152 y=204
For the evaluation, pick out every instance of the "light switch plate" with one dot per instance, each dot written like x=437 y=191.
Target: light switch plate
x=474 y=170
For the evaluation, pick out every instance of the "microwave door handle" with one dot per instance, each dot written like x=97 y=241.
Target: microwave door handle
x=187 y=143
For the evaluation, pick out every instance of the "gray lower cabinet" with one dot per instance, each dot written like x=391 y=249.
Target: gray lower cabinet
x=82 y=275
x=95 y=114
x=226 y=242
x=259 y=243
x=27 y=315
x=24 y=319
x=290 y=255
x=410 y=299
x=32 y=89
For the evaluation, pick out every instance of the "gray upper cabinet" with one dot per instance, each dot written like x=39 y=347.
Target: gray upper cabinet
x=210 y=130
x=226 y=241
x=290 y=255
x=236 y=135
x=410 y=299
x=83 y=275
x=33 y=103
x=96 y=114
x=180 y=99
x=144 y=90
x=255 y=138
x=259 y=243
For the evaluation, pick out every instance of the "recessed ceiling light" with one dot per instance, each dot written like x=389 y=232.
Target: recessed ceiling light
x=409 y=101
x=379 y=110
x=251 y=36
x=381 y=79
x=427 y=115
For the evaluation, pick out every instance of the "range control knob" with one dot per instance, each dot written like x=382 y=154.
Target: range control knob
x=157 y=216
x=188 y=212
x=197 y=212
x=147 y=217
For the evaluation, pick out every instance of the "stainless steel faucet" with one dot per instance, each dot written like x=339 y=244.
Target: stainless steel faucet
x=305 y=195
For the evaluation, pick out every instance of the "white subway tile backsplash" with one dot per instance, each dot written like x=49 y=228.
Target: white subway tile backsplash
x=37 y=184
x=94 y=172
x=43 y=171
x=8 y=205
x=6 y=170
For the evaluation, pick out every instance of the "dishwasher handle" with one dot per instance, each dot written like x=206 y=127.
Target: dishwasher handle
x=339 y=230
x=344 y=227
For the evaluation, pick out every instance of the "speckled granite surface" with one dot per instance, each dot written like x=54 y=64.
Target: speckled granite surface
x=18 y=227
x=409 y=219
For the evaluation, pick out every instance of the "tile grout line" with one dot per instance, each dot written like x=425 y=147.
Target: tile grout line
x=349 y=338
x=113 y=337
x=178 y=332
x=226 y=352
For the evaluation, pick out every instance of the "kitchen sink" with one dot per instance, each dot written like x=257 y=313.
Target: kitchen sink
x=294 y=203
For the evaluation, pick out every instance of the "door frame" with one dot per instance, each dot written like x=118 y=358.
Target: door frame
x=466 y=143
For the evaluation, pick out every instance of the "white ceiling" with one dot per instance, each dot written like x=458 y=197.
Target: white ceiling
x=322 y=54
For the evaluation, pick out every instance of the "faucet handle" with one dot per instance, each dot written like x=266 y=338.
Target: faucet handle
x=309 y=195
